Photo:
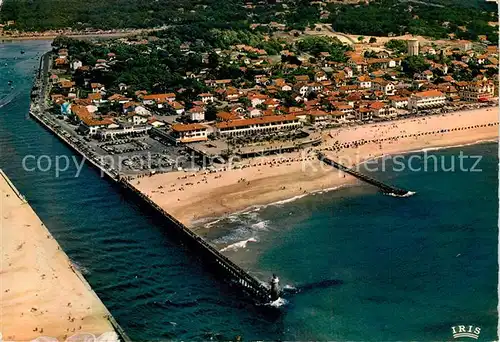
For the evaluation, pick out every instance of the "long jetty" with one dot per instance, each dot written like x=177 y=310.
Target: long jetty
x=385 y=188
x=219 y=263
x=208 y=254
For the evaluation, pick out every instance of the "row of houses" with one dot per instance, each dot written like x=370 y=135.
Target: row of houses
x=332 y=93
x=232 y=125
x=248 y=121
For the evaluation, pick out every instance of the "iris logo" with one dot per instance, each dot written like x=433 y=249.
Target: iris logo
x=466 y=331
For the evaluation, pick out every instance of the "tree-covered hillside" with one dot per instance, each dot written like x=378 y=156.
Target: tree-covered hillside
x=37 y=15
x=435 y=19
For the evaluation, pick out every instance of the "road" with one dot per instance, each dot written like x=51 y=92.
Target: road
x=329 y=27
x=344 y=38
x=45 y=61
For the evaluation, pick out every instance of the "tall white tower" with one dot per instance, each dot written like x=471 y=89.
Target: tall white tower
x=412 y=47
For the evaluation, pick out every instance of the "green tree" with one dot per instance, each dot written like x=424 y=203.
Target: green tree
x=414 y=64
x=397 y=45
x=370 y=54
x=211 y=112
x=316 y=45
x=245 y=101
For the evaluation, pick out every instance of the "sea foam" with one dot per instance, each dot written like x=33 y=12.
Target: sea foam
x=237 y=245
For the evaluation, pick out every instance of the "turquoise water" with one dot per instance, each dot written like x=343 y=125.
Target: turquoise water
x=371 y=267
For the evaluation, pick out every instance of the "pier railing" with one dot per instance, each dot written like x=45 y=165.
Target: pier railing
x=209 y=254
x=388 y=189
x=237 y=275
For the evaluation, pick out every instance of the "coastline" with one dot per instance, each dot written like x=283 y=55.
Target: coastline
x=42 y=293
x=208 y=221
x=201 y=197
x=76 y=35
x=211 y=220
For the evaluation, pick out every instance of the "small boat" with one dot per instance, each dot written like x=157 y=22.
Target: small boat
x=22 y=52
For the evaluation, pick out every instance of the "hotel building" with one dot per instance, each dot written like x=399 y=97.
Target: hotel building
x=477 y=91
x=261 y=125
x=182 y=133
x=426 y=100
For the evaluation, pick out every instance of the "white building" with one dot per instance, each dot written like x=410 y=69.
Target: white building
x=254 y=112
x=261 y=125
x=394 y=62
x=399 y=102
x=385 y=86
x=197 y=114
x=426 y=99
x=319 y=117
x=365 y=82
x=477 y=91
x=413 y=47
x=339 y=116
x=320 y=76
x=303 y=90
x=158 y=99
x=76 y=64
x=314 y=87
x=186 y=133
x=139 y=119
x=90 y=124
x=206 y=97
x=383 y=110
x=113 y=132
x=345 y=108
x=364 y=114
x=257 y=99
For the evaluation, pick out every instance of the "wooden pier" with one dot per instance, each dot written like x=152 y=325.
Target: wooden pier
x=385 y=188
x=219 y=263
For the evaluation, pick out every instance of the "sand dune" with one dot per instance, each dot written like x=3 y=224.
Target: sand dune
x=40 y=293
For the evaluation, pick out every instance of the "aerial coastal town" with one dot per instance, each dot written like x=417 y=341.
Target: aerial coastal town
x=198 y=113
x=285 y=105
x=357 y=101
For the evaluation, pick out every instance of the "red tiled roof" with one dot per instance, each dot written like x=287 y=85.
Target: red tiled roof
x=187 y=127
x=429 y=93
x=95 y=96
x=158 y=97
x=317 y=113
x=226 y=116
x=197 y=109
x=377 y=105
x=87 y=118
x=256 y=121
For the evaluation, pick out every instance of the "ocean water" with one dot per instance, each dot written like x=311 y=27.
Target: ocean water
x=364 y=266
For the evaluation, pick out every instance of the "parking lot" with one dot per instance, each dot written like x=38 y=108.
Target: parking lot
x=130 y=156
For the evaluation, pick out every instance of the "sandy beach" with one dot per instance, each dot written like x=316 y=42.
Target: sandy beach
x=193 y=197
x=40 y=293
